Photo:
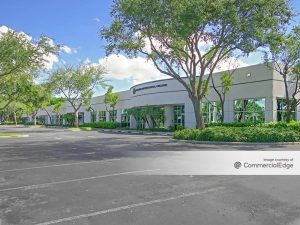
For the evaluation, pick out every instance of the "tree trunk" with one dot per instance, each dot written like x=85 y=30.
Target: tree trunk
x=34 y=120
x=76 y=118
x=223 y=110
x=287 y=98
x=197 y=104
x=15 y=118
x=49 y=117
x=288 y=112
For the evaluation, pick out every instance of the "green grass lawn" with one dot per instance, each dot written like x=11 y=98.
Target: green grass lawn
x=80 y=129
x=13 y=135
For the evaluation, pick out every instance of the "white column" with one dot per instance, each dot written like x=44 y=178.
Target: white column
x=119 y=114
x=215 y=110
x=189 y=115
x=298 y=113
x=169 y=116
x=48 y=119
x=132 y=122
x=87 y=117
x=271 y=110
x=150 y=122
x=228 y=111
x=107 y=115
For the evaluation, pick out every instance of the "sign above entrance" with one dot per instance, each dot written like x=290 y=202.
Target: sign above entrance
x=148 y=87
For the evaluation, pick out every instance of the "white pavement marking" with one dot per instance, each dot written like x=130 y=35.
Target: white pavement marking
x=16 y=158
x=57 y=165
x=43 y=185
x=51 y=157
x=121 y=208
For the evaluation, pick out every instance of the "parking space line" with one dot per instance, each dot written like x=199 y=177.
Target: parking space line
x=50 y=157
x=57 y=165
x=44 y=185
x=126 y=207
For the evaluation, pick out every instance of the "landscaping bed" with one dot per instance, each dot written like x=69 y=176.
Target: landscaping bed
x=267 y=132
x=5 y=135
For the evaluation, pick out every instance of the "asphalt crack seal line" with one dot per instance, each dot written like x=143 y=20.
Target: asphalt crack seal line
x=136 y=205
x=44 y=185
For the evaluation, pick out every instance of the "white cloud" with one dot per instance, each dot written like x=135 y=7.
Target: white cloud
x=137 y=70
x=4 y=29
x=68 y=49
x=87 y=61
x=50 y=60
x=96 y=19
x=229 y=64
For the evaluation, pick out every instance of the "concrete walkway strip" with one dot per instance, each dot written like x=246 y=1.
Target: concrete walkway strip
x=58 y=165
x=126 y=207
x=44 y=185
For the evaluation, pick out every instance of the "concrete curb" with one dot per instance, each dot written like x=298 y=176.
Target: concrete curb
x=135 y=132
x=233 y=143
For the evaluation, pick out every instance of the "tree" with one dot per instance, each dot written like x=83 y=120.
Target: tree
x=35 y=99
x=187 y=38
x=13 y=110
x=226 y=83
x=57 y=108
x=76 y=84
x=20 y=54
x=55 y=103
x=284 y=57
x=111 y=99
x=14 y=88
x=154 y=116
x=20 y=58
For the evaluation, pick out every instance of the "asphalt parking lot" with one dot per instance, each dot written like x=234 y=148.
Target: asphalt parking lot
x=91 y=178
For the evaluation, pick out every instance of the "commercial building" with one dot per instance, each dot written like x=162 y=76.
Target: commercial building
x=257 y=93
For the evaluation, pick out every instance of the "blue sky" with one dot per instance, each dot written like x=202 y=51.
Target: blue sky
x=76 y=23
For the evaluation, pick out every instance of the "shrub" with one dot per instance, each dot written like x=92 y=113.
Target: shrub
x=240 y=134
x=106 y=125
x=235 y=124
x=54 y=125
x=7 y=123
x=293 y=125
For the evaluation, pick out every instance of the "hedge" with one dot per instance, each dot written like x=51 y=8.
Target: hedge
x=106 y=125
x=239 y=134
x=294 y=125
x=7 y=123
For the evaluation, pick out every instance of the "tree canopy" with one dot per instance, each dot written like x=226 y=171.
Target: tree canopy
x=20 y=54
x=21 y=58
x=111 y=99
x=284 y=57
x=188 y=38
x=77 y=84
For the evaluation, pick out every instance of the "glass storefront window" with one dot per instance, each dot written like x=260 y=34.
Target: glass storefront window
x=93 y=116
x=249 y=110
x=81 y=118
x=178 y=116
x=42 y=120
x=125 y=119
x=102 y=116
x=212 y=112
x=282 y=110
x=113 y=115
